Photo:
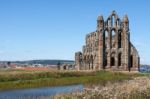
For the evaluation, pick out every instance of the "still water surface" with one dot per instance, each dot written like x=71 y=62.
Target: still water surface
x=39 y=93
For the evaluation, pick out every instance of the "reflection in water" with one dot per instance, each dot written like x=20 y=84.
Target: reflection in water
x=38 y=93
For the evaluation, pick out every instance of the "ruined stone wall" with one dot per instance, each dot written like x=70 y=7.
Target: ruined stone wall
x=109 y=47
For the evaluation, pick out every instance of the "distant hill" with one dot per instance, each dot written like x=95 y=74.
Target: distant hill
x=44 y=62
x=145 y=68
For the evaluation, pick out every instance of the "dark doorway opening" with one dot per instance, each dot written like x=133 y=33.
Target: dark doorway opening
x=64 y=67
x=112 y=61
x=131 y=61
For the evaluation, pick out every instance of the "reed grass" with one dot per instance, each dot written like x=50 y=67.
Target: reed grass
x=12 y=79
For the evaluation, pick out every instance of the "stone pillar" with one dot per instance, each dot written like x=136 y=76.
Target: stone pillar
x=116 y=46
x=126 y=50
x=109 y=49
x=101 y=49
x=78 y=60
x=116 y=39
x=127 y=46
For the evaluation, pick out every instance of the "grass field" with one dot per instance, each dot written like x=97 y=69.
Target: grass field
x=15 y=79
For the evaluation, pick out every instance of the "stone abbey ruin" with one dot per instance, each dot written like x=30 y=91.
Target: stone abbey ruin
x=109 y=47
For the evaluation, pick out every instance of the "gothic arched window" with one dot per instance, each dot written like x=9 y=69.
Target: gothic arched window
x=113 y=21
x=112 y=38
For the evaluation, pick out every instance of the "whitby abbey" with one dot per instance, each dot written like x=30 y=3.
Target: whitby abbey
x=109 y=47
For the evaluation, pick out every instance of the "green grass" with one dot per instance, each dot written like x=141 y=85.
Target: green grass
x=27 y=79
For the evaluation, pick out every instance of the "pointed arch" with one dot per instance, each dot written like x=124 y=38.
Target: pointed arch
x=109 y=22
x=113 y=24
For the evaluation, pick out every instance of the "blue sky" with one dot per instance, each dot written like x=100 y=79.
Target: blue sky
x=56 y=29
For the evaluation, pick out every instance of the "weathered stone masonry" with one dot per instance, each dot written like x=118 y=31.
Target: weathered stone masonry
x=108 y=47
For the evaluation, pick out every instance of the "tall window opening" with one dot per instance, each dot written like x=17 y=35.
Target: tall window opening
x=113 y=21
x=119 y=40
x=112 y=38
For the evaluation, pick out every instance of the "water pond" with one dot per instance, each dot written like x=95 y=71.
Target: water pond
x=39 y=93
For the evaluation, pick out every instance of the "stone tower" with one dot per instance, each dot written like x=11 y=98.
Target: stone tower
x=109 y=47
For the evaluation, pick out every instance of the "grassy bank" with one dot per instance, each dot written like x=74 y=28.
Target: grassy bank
x=15 y=79
x=137 y=88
